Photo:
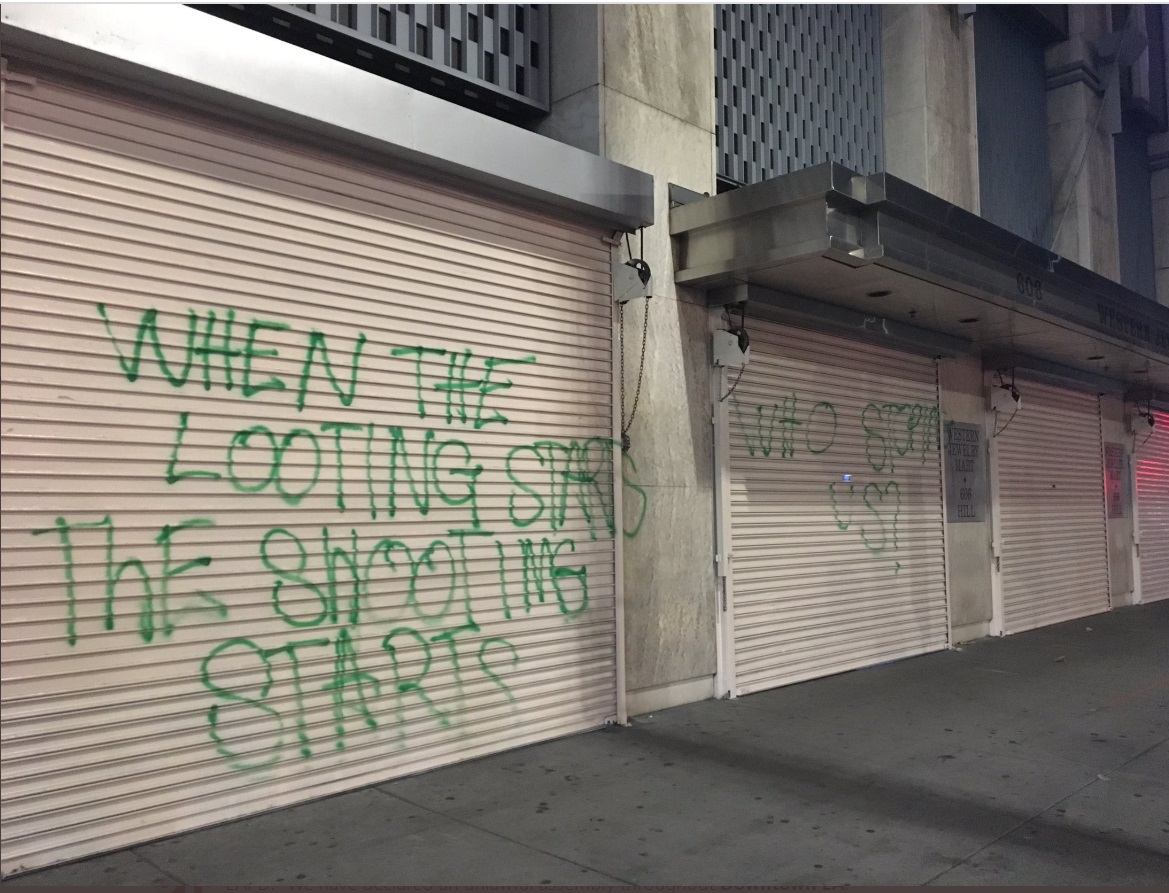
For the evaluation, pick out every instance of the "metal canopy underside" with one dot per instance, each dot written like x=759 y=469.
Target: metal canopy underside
x=897 y=263
x=172 y=50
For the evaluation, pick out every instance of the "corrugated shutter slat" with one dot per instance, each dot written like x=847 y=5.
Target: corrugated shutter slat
x=1051 y=502
x=1152 y=484
x=349 y=575
x=836 y=508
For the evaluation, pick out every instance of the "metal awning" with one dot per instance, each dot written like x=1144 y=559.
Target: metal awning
x=177 y=51
x=887 y=260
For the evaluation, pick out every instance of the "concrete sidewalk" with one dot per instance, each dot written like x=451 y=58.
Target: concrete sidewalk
x=1036 y=759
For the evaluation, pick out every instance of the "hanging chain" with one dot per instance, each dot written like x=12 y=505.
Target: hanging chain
x=621 y=347
x=731 y=390
x=1004 y=427
x=1148 y=414
x=626 y=442
x=1143 y=442
x=626 y=426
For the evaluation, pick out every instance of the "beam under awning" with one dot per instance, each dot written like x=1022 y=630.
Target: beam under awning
x=885 y=258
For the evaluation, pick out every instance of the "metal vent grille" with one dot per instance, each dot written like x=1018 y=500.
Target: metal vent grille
x=795 y=86
x=490 y=56
x=499 y=45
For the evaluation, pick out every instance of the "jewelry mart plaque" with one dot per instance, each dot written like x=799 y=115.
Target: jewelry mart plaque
x=965 y=473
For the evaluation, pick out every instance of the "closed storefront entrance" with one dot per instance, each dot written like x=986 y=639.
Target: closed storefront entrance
x=1052 y=535
x=308 y=472
x=1152 y=483
x=836 y=508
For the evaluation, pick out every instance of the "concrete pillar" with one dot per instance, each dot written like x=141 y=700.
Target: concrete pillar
x=1120 y=527
x=968 y=552
x=931 y=126
x=1083 y=175
x=1159 y=164
x=635 y=83
x=576 y=77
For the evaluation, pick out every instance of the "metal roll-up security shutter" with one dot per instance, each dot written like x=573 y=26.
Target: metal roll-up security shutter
x=1152 y=483
x=836 y=505
x=1054 y=545
x=307 y=474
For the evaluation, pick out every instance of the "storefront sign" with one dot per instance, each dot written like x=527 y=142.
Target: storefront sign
x=965 y=474
x=1114 y=489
